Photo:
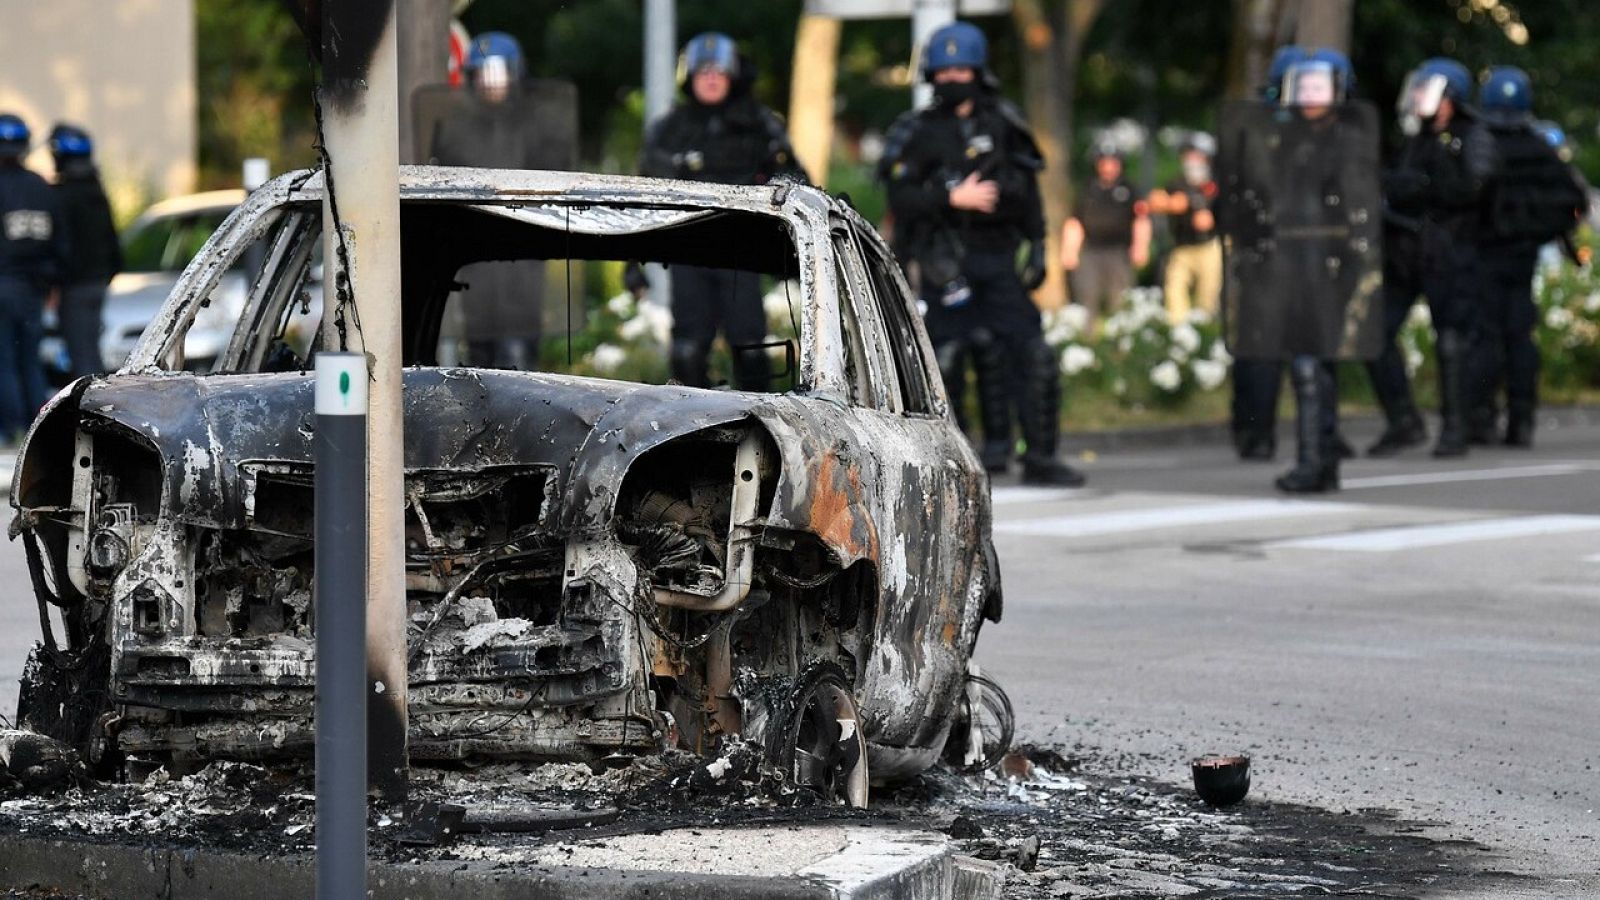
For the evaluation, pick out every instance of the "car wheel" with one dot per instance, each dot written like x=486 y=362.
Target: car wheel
x=983 y=728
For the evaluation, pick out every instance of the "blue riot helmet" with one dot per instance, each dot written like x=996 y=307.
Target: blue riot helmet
x=711 y=50
x=1555 y=136
x=1506 y=97
x=495 y=62
x=1281 y=61
x=70 y=142
x=1436 y=80
x=957 y=45
x=1319 y=79
x=14 y=136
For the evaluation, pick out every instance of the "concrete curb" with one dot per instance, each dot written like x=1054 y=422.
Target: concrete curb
x=875 y=865
x=1211 y=433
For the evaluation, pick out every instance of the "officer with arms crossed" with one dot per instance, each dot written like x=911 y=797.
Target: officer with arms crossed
x=96 y=253
x=963 y=187
x=33 y=254
x=718 y=133
x=1536 y=198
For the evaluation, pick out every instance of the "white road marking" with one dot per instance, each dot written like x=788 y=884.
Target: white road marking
x=1021 y=493
x=1377 y=481
x=1387 y=540
x=1124 y=521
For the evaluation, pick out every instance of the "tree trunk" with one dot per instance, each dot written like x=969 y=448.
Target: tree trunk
x=424 y=49
x=811 y=90
x=1259 y=28
x=1324 y=23
x=1052 y=36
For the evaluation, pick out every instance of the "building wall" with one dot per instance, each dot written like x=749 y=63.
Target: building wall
x=124 y=70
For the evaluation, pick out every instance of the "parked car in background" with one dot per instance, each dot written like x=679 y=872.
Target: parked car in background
x=156 y=249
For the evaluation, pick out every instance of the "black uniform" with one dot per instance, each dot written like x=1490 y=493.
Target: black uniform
x=1440 y=181
x=1535 y=198
x=976 y=300
x=96 y=258
x=33 y=254
x=736 y=142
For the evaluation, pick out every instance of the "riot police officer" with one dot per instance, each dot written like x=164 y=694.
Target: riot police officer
x=1534 y=199
x=962 y=180
x=96 y=253
x=1298 y=211
x=718 y=133
x=1443 y=170
x=33 y=252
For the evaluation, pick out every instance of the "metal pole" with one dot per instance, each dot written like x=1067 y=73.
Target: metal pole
x=341 y=623
x=927 y=16
x=660 y=84
x=360 y=130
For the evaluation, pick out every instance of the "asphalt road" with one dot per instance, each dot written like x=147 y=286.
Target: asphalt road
x=1426 y=641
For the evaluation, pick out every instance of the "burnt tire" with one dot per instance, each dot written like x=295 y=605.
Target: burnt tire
x=820 y=746
x=68 y=703
x=982 y=699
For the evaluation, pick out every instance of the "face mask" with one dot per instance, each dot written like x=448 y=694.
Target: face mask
x=1196 y=173
x=955 y=93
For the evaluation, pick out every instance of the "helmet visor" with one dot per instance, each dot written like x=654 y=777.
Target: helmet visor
x=712 y=53
x=1421 y=96
x=1316 y=84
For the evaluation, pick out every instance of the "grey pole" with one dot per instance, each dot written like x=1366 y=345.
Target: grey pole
x=340 y=446
x=660 y=83
x=927 y=16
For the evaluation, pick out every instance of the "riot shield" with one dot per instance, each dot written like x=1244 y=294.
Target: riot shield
x=1300 y=213
x=535 y=126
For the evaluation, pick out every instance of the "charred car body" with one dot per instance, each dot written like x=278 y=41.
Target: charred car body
x=593 y=567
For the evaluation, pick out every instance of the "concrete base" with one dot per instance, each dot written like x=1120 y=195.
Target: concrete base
x=821 y=862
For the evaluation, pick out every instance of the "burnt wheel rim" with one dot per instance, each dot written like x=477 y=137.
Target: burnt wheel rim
x=830 y=752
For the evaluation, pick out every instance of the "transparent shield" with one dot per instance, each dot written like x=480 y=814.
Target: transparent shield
x=534 y=126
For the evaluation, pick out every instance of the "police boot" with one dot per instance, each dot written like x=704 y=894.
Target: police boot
x=1041 y=421
x=1405 y=429
x=688 y=362
x=994 y=404
x=1452 y=395
x=1482 y=426
x=1316 y=467
x=1519 y=426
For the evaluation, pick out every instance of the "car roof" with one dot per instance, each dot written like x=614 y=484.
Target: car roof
x=206 y=201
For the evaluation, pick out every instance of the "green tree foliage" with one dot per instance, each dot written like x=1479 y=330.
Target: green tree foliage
x=254 y=87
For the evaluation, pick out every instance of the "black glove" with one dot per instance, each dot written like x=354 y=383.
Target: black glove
x=1030 y=264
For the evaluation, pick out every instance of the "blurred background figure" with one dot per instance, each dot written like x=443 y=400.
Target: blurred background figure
x=1193 y=277
x=1442 y=172
x=499 y=122
x=1300 y=208
x=33 y=254
x=96 y=254
x=718 y=132
x=1536 y=198
x=1106 y=238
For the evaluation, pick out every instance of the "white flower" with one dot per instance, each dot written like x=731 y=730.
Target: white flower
x=635 y=328
x=1125 y=343
x=1558 y=317
x=1209 y=373
x=1186 y=338
x=1413 y=360
x=775 y=304
x=1120 y=386
x=660 y=319
x=1591 y=303
x=621 y=305
x=1219 y=353
x=606 y=358
x=1075 y=358
x=1166 y=376
x=1420 y=316
x=1074 y=316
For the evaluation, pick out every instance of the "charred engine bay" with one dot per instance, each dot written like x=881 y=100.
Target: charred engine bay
x=1059 y=827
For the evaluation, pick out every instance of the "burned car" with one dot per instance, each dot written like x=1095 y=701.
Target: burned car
x=594 y=568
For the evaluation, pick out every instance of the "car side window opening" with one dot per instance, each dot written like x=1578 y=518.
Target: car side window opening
x=916 y=394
